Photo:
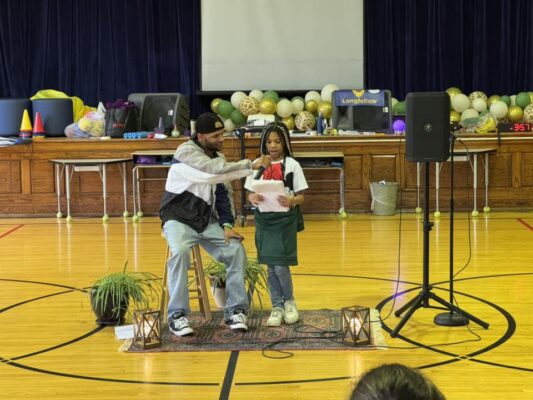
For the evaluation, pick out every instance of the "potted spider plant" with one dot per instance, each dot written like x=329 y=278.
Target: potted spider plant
x=112 y=294
x=255 y=280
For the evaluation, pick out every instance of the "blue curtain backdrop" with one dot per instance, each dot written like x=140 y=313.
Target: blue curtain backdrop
x=421 y=45
x=100 y=50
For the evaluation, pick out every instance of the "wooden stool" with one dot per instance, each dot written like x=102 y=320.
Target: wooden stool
x=201 y=288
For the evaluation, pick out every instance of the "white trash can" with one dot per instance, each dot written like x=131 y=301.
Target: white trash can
x=383 y=197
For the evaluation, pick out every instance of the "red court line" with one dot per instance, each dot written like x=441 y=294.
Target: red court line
x=11 y=231
x=525 y=224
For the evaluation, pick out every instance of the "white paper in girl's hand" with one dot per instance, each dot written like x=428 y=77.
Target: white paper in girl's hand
x=270 y=190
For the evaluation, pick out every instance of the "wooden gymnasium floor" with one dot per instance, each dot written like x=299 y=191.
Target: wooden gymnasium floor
x=50 y=347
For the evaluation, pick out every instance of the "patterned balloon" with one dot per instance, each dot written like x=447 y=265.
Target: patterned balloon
x=528 y=114
x=304 y=121
x=477 y=95
x=325 y=108
x=248 y=106
x=267 y=105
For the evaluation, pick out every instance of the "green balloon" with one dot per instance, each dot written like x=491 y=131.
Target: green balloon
x=237 y=118
x=523 y=99
x=224 y=109
x=398 y=109
x=271 y=94
x=506 y=99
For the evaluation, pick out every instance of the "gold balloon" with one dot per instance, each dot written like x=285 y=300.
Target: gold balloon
x=325 y=108
x=215 y=103
x=267 y=106
x=492 y=99
x=515 y=113
x=455 y=116
x=289 y=122
x=452 y=91
x=311 y=106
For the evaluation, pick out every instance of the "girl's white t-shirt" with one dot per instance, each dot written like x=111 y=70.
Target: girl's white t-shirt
x=291 y=167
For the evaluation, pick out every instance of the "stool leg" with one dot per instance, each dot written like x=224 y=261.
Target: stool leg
x=204 y=299
x=164 y=290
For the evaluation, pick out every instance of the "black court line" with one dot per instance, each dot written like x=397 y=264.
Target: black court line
x=234 y=356
x=230 y=373
x=11 y=231
x=337 y=378
x=94 y=378
x=95 y=330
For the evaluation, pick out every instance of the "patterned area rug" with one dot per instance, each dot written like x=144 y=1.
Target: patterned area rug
x=316 y=330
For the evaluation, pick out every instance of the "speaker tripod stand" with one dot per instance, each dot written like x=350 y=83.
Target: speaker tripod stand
x=422 y=299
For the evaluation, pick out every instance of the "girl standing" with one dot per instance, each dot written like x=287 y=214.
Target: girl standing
x=275 y=235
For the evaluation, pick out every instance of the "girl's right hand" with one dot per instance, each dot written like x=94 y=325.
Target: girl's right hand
x=255 y=198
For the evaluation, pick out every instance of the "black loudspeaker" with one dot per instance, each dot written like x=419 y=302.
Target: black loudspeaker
x=173 y=107
x=362 y=110
x=11 y=111
x=56 y=115
x=428 y=126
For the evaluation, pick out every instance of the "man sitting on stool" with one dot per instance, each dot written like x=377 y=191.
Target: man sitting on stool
x=197 y=208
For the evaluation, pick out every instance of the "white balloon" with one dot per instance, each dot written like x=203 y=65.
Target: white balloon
x=498 y=109
x=327 y=90
x=297 y=106
x=256 y=94
x=479 y=105
x=313 y=95
x=284 y=108
x=229 y=126
x=460 y=102
x=469 y=113
x=236 y=99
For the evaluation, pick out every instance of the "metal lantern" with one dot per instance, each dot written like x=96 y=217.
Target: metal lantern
x=355 y=325
x=147 y=328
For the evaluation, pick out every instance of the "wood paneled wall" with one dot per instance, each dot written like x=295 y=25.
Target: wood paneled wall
x=27 y=180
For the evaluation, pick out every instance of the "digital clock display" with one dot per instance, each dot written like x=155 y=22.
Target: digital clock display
x=515 y=127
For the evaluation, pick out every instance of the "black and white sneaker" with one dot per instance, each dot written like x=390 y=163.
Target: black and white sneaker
x=179 y=326
x=237 y=322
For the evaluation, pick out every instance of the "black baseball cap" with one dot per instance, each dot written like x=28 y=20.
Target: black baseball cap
x=208 y=123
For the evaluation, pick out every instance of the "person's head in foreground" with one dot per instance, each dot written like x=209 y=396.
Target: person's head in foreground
x=395 y=382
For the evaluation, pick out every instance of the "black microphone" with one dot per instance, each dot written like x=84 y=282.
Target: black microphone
x=260 y=172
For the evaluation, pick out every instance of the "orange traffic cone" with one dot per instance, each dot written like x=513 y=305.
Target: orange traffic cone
x=38 y=129
x=25 y=126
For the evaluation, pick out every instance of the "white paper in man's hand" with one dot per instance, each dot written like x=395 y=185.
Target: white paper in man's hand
x=270 y=190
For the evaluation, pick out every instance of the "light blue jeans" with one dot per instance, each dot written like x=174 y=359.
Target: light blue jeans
x=280 y=284
x=181 y=238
